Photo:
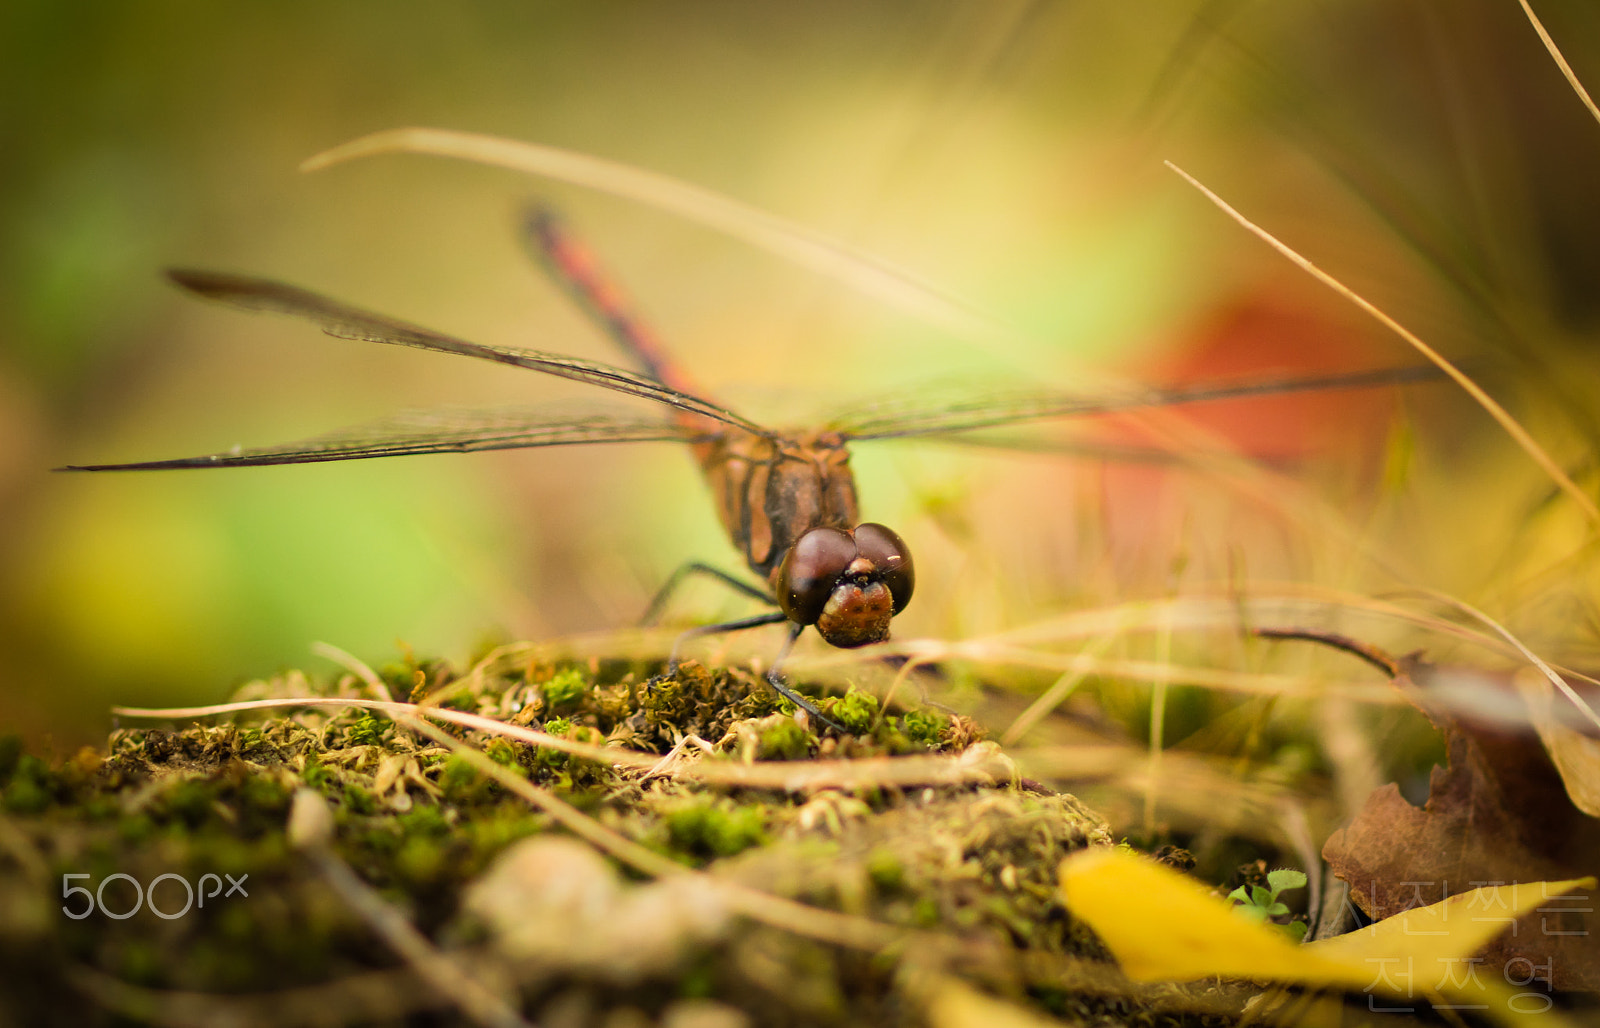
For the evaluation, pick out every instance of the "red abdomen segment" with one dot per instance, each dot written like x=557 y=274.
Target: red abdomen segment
x=573 y=266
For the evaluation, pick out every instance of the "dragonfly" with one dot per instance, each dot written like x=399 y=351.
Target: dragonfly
x=787 y=499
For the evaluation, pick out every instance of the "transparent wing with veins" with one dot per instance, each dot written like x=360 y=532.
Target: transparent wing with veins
x=338 y=319
x=469 y=431
x=443 y=431
x=911 y=416
x=440 y=431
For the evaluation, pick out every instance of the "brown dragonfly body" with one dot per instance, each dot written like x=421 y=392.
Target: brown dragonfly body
x=769 y=492
x=786 y=499
x=769 y=488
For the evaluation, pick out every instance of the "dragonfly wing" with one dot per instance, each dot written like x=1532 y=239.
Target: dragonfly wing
x=448 y=431
x=912 y=417
x=338 y=319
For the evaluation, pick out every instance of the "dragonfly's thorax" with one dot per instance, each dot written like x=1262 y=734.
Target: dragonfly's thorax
x=771 y=491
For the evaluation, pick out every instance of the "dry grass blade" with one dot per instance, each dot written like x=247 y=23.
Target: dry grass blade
x=1054 y=696
x=991 y=652
x=1520 y=435
x=1527 y=654
x=1561 y=61
x=355 y=666
x=861 y=271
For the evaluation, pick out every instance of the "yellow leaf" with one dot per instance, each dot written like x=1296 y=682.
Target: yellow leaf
x=951 y=1003
x=1163 y=926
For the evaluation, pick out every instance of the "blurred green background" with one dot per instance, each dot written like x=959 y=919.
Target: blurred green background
x=1009 y=152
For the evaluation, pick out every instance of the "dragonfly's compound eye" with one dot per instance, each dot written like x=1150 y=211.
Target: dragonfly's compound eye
x=810 y=570
x=891 y=558
x=848 y=584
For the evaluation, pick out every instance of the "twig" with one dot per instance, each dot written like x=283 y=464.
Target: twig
x=1366 y=651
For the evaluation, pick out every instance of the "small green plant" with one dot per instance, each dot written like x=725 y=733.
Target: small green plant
x=565 y=689
x=367 y=731
x=923 y=727
x=711 y=830
x=785 y=741
x=856 y=711
x=1262 y=904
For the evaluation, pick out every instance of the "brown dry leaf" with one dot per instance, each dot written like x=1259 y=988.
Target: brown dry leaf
x=1498 y=815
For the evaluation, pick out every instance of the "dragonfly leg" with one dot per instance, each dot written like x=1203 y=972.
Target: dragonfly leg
x=726 y=626
x=669 y=587
x=774 y=675
x=775 y=679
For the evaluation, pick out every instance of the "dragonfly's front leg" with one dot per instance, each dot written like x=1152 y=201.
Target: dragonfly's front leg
x=775 y=679
x=756 y=621
x=774 y=674
x=664 y=594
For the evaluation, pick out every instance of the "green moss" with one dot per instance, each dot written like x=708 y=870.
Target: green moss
x=502 y=751
x=193 y=802
x=885 y=870
x=856 y=711
x=420 y=860
x=564 y=689
x=101 y=808
x=711 y=828
x=382 y=839
x=785 y=740
x=136 y=828
x=424 y=819
x=923 y=727
x=263 y=794
x=458 y=774
x=492 y=834
x=26 y=794
x=456 y=698
x=233 y=921
x=315 y=775
x=10 y=754
x=368 y=730
x=699 y=981
x=358 y=800
x=141 y=962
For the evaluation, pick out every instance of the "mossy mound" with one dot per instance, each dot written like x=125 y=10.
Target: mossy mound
x=196 y=909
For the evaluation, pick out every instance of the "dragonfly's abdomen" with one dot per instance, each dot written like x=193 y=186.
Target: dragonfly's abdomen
x=770 y=492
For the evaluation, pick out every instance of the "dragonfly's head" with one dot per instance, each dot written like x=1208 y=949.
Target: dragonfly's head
x=847 y=583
